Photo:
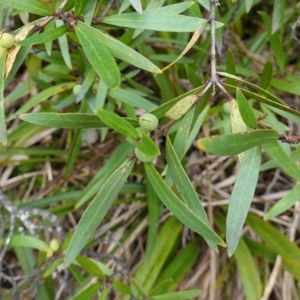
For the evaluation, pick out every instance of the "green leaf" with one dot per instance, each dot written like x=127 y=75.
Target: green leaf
x=122 y=287
x=90 y=266
x=67 y=120
x=288 y=250
x=230 y=68
x=117 y=123
x=284 y=160
x=248 y=4
x=267 y=73
x=278 y=14
x=3 y=135
x=275 y=41
x=232 y=144
x=284 y=204
x=26 y=241
x=149 y=270
x=89 y=11
x=88 y=292
x=159 y=19
x=43 y=95
x=116 y=159
x=131 y=98
x=268 y=101
x=178 y=208
x=46 y=36
x=172 y=9
x=241 y=197
x=175 y=271
x=120 y=50
x=30 y=6
x=257 y=88
x=97 y=210
x=177 y=295
x=181 y=107
x=245 y=109
x=160 y=111
x=137 y=5
x=147 y=146
x=248 y=271
x=99 y=57
x=64 y=45
x=185 y=187
x=79 y=6
x=289 y=84
x=74 y=152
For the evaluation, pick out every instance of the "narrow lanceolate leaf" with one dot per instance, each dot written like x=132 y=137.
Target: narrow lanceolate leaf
x=120 y=50
x=27 y=241
x=267 y=73
x=3 y=135
x=190 y=44
x=245 y=109
x=257 y=88
x=181 y=107
x=137 y=5
x=154 y=19
x=189 y=294
x=180 y=210
x=284 y=161
x=268 y=101
x=248 y=4
x=64 y=45
x=30 y=6
x=248 y=271
x=236 y=143
x=185 y=187
x=241 y=197
x=147 y=146
x=278 y=13
x=97 y=210
x=285 y=203
x=117 y=123
x=67 y=120
x=99 y=57
x=276 y=240
x=46 y=36
x=79 y=6
x=289 y=84
x=45 y=94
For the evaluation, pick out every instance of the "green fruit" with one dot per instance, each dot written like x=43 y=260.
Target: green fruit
x=148 y=122
x=49 y=252
x=6 y=40
x=143 y=156
x=54 y=244
x=2 y=52
x=140 y=131
x=76 y=89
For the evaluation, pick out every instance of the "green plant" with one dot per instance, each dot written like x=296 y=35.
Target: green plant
x=119 y=58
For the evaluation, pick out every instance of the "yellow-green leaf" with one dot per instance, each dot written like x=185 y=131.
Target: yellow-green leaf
x=232 y=144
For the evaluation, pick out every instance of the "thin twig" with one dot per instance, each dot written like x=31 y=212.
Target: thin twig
x=213 y=72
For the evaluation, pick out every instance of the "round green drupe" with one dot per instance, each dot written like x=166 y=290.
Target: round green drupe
x=148 y=122
x=54 y=244
x=143 y=156
x=6 y=40
x=76 y=89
